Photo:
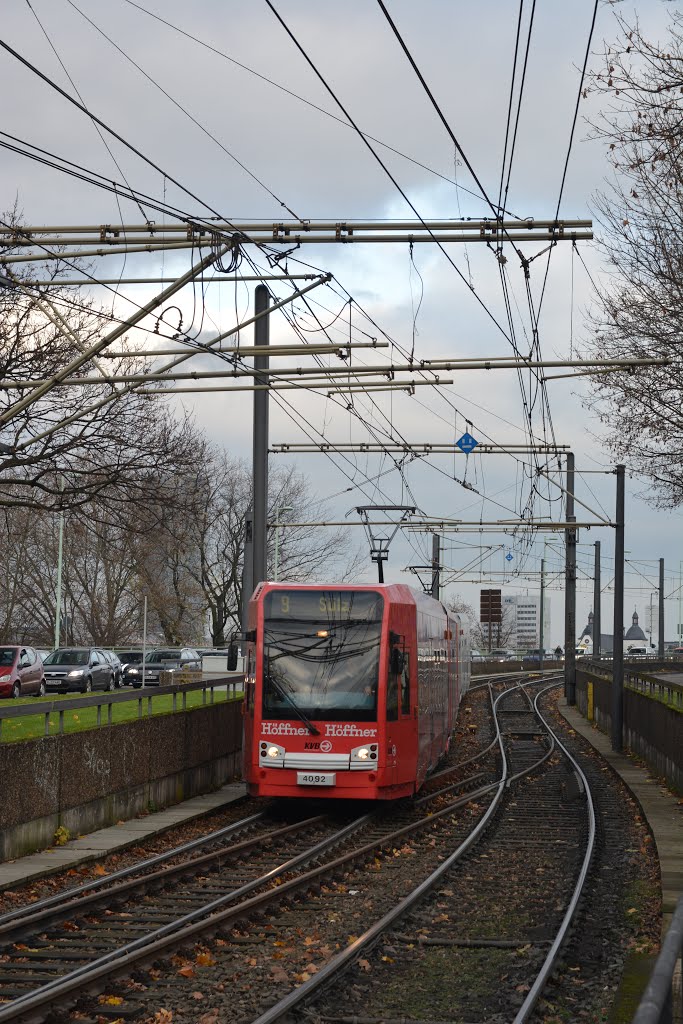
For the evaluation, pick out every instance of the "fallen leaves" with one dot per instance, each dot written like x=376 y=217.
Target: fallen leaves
x=204 y=959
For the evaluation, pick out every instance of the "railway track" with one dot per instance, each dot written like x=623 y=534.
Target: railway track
x=54 y=952
x=58 y=947
x=557 y=841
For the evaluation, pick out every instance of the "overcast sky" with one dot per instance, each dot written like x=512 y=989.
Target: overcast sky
x=321 y=169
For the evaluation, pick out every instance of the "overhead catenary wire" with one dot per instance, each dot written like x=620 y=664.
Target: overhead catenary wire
x=302 y=99
x=384 y=167
x=459 y=149
x=184 y=110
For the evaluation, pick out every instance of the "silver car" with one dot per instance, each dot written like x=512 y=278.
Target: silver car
x=163 y=659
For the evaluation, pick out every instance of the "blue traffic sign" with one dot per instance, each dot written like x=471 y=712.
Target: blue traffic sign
x=508 y=557
x=467 y=443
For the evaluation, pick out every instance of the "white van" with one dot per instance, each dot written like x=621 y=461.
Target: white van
x=637 y=652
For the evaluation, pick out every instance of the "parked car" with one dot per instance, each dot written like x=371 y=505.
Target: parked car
x=78 y=668
x=477 y=656
x=501 y=654
x=21 y=672
x=535 y=655
x=164 y=659
x=113 y=659
x=130 y=661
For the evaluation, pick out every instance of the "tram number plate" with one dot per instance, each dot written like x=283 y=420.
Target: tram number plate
x=316 y=778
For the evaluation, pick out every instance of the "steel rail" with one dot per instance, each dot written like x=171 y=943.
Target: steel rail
x=116 y=962
x=198 y=920
x=339 y=963
x=342 y=960
x=117 y=876
x=175 y=931
x=155 y=879
x=529 y=1003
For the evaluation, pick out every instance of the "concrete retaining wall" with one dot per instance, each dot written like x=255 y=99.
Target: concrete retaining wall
x=652 y=730
x=88 y=780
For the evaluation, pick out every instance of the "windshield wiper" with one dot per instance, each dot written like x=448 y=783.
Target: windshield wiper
x=295 y=707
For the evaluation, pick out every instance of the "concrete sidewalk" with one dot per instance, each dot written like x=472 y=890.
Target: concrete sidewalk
x=661 y=808
x=117 y=837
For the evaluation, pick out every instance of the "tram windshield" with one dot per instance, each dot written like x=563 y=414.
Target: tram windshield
x=321 y=654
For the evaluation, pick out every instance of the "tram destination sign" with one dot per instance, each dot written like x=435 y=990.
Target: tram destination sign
x=491 y=606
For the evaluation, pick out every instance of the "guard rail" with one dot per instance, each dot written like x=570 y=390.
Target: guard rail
x=664 y=991
x=666 y=690
x=47 y=706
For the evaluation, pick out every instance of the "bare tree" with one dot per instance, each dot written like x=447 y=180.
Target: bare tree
x=500 y=632
x=16 y=552
x=76 y=443
x=305 y=553
x=640 y=309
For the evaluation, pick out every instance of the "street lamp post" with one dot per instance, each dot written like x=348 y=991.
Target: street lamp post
x=60 y=551
x=282 y=508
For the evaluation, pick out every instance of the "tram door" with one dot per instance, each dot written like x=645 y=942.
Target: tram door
x=401 y=713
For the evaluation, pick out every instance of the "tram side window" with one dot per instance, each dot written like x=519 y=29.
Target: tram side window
x=397 y=678
x=405 y=685
x=392 y=696
x=250 y=679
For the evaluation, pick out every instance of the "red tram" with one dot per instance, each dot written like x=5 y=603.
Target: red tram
x=351 y=691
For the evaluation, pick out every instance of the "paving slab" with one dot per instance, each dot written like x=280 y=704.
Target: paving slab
x=117 y=837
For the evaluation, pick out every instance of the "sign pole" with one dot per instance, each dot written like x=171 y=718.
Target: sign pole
x=570 y=591
x=618 y=642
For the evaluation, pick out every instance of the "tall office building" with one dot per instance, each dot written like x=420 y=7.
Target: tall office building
x=524 y=616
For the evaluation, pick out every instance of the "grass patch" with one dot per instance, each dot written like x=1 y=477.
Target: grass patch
x=637 y=970
x=452 y=983
x=81 y=720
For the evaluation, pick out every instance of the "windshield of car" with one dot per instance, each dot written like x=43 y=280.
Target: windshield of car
x=160 y=656
x=321 y=654
x=7 y=656
x=68 y=656
x=131 y=657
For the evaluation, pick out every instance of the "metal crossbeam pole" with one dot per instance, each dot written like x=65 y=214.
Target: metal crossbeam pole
x=450 y=525
x=72 y=282
x=41 y=389
x=245 y=351
x=418 y=448
x=117 y=394
x=434 y=366
x=103 y=236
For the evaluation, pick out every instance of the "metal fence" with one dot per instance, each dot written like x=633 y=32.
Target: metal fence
x=668 y=691
x=662 y=1001
x=47 y=707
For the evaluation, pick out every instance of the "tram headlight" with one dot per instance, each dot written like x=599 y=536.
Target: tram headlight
x=364 y=757
x=271 y=754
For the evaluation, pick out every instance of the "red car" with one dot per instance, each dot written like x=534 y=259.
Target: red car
x=21 y=672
